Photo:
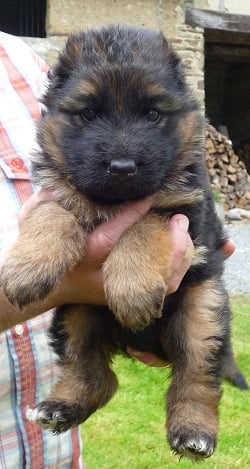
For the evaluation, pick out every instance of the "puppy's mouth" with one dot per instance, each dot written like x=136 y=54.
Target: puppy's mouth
x=117 y=193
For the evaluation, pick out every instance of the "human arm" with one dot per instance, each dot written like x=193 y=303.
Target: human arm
x=72 y=288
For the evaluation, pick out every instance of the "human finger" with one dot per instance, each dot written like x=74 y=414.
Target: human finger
x=228 y=247
x=103 y=239
x=147 y=358
x=182 y=251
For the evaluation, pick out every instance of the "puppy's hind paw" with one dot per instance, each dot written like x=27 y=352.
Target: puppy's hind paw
x=193 y=445
x=56 y=416
x=52 y=416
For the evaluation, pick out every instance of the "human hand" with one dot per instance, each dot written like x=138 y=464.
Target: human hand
x=85 y=283
x=72 y=288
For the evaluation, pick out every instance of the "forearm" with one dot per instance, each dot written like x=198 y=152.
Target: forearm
x=85 y=283
x=11 y=315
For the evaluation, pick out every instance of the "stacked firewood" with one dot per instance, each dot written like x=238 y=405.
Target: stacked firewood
x=228 y=174
x=244 y=154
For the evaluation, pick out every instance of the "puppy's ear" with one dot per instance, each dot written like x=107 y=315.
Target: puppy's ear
x=176 y=77
x=72 y=52
x=68 y=58
x=173 y=60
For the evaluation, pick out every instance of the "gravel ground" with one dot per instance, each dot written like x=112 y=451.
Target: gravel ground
x=237 y=267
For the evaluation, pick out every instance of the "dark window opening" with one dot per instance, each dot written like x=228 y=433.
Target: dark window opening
x=227 y=90
x=23 y=17
x=227 y=71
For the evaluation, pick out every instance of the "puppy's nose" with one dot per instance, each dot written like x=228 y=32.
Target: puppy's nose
x=122 y=168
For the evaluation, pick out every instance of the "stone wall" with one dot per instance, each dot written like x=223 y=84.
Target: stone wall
x=48 y=48
x=66 y=16
x=189 y=44
x=63 y=16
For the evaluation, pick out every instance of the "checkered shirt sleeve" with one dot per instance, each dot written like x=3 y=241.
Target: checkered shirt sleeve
x=27 y=363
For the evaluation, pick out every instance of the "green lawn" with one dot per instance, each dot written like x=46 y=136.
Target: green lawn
x=130 y=431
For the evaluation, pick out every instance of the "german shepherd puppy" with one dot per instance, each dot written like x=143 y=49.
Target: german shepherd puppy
x=121 y=124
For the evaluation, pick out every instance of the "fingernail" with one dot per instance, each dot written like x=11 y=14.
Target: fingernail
x=183 y=224
x=135 y=353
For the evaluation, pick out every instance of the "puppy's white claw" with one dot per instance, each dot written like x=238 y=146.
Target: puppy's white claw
x=32 y=414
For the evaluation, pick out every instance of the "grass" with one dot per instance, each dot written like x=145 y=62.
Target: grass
x=130 y=431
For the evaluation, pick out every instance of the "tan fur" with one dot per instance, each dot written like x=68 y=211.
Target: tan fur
x=51 y=129
x=94 y=385
x=191 y=132
x=198 y=256
x=188 y=126
x=135 y=279
x=82 y=91
x=192 y=398
x=167 y=103
x=50 y=243
x=173 y=196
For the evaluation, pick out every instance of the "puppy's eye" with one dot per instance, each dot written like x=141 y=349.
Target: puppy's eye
x=153 y=115
x=88 y=114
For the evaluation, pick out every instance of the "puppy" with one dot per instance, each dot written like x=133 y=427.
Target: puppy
x=121 y=124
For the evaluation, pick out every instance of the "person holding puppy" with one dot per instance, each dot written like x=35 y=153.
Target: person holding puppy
x=27 y=363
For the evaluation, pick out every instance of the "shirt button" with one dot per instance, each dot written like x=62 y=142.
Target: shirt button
x=19 y=329
x=17 y=163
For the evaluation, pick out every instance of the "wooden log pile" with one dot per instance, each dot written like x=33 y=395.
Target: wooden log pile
x=244 y=154
x=228 y=174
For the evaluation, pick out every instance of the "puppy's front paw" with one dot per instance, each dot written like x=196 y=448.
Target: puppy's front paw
x=195 y=445
x=134 y=303
x=24 y=280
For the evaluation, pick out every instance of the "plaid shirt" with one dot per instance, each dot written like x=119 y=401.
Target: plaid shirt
x=26 y=361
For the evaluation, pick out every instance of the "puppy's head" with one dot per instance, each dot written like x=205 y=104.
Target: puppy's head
x=119 y=115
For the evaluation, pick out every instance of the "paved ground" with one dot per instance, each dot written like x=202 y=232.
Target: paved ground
x=237 y=271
